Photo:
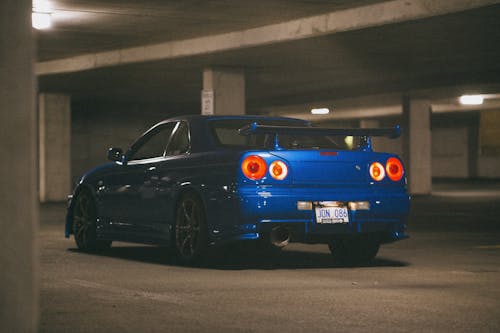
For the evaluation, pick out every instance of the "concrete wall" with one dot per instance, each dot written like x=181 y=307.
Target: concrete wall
x=450 y=155
x=488 y=166
x=456 y=147
x=99 y=126
x=54 y=117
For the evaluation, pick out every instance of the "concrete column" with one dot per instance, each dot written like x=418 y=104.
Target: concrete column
x=18 y=176
x=223 y=92
x=417 y=145
x=54 y=146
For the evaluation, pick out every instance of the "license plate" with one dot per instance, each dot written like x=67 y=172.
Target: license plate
x=332 y=215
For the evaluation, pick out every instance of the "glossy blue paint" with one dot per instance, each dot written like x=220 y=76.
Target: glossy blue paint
x=136 y=200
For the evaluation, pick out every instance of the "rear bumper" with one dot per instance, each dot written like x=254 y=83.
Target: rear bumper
x=263 y=208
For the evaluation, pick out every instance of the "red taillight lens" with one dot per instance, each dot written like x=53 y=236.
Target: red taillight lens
x=254 y=167
x=377 y=171
x=278 y=170
x=394 y=169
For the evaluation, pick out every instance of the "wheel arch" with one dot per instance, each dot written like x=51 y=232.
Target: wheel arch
x=184 y=189
x=199 y=246
x=69 y=213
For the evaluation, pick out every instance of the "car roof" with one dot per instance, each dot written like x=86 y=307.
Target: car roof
x=197 y=117
x=203 y=140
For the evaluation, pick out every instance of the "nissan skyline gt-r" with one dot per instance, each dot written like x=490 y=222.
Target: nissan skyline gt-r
x=195 y=182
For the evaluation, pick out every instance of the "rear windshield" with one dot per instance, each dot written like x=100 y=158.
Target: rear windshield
x=225 y=133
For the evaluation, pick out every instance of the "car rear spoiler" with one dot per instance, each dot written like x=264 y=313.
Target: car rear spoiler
x=254 y=128
x=364 y=133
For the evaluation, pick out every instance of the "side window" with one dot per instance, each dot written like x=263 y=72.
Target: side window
x=155 y=144
x=180 y=140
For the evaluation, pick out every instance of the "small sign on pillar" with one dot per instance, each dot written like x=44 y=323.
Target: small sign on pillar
x=207 y=102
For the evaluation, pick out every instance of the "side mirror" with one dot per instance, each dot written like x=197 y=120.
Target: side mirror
x=115 y=154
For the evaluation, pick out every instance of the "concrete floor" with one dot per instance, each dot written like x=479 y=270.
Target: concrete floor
x=445 y=278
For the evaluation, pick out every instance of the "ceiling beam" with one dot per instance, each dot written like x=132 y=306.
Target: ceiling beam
x=330 y=23
x=383 y=105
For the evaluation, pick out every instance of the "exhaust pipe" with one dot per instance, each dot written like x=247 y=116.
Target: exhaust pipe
x=280 y=236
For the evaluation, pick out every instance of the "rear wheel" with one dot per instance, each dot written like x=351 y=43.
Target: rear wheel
x=354 y=251
x=85 y=224
x=190 y=229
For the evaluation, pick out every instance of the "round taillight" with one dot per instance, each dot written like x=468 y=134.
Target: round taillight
x=394 y=169
x=377 y=171
x=254 y=167
x=278 y=170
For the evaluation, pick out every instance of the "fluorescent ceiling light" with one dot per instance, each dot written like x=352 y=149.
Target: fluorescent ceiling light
x=41 y=16
x=320 y=111
x=471 y=99
x=41 y=20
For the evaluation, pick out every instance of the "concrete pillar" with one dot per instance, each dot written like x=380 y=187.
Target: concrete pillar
x=54 y=146
x=417 y=145
x=18 y=175
x=223 y=92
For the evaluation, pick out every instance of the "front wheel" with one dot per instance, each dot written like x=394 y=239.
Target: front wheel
x=190 y=229
x=354 y=251
x=85 y=224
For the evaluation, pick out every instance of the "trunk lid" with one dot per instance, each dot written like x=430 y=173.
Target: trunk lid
x=326 y=167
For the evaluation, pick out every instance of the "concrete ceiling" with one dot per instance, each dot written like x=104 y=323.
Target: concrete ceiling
x=457 y=52
x=88 y=26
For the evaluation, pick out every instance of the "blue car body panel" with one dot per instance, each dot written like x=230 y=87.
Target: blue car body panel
x=137 y=201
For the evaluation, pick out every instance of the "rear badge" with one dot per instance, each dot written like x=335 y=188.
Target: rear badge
x=358 y=167
x=264 y=194
x=328 y=153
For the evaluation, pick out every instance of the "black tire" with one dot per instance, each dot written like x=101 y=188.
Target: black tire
x=354 y=251
x=191 y=234
x=85 y=224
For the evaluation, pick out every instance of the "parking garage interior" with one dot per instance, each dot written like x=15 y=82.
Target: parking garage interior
x=106 y=71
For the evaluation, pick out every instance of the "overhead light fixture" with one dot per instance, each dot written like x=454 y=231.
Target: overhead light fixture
x=41 y=21
x=41 y=17
x=320 y=111
x=471 y=99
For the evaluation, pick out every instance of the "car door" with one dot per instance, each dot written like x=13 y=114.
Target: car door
x=133 y=185
x=167 y=175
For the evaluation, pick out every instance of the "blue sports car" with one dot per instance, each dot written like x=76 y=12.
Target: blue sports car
x=195 y=182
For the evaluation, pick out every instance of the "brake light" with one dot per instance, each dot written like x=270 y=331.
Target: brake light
x=377 y=171
x=254 y=167
x=394 y=169
x=278 y=170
